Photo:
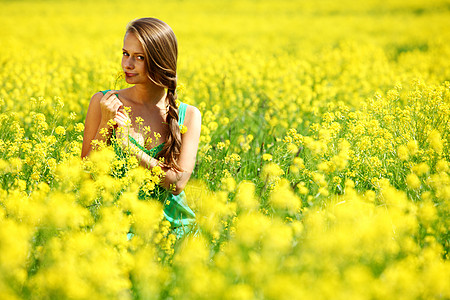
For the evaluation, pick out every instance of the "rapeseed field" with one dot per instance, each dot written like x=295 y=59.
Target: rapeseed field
x=323 y=166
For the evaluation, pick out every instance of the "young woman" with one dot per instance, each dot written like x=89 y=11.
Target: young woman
x=149 y=62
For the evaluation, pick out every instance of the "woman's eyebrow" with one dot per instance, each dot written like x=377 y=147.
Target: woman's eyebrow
x=134 y=53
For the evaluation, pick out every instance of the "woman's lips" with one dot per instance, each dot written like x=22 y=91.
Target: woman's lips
x=130 y=74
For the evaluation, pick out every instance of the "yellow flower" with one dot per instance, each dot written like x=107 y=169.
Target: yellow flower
x=147 y=129
x=228 y=184
x=15 y=164
x=427 y=212
x=413 y=181
x=413 y=147
x=319 y=179
x=271 y=171
x=292 y=148
x=104 y=132
x=220 y=145
x=298 y=161
x=402 y=152
x=148 y=141
x=434 y=138
x=324 y=191
x=421 y=169
x=139 y=121
x=157 y=170
x=245 y=196
x=326 y=166
x=442 y=165
x=294 y=169
x=111 y=123
x=283 y=198
x=22 y=184
x=232 y=158
x=60 y=130
x=79 y=127
x=267 y=157
x=52 y=164
x=183 y=129
x=302 y=189
x=213 y=126
x=224 y=121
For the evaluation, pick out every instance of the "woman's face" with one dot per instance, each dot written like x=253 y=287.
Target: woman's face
x=133 y=60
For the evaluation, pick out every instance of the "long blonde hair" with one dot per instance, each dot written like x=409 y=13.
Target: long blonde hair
x=161 y=53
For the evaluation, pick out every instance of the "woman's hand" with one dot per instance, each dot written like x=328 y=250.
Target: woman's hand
x=102 y=109
x=109 y=105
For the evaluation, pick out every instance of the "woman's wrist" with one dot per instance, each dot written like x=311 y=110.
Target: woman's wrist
x=145 y=160
x=149 y=162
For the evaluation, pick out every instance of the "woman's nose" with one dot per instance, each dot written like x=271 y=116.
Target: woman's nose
x=129 y=64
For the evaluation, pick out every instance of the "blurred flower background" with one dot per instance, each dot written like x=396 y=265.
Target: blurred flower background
x=323 y=167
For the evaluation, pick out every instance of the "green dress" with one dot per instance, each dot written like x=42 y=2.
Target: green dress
x=176 y=209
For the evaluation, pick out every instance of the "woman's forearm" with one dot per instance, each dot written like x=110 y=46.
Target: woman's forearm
x=173 y=180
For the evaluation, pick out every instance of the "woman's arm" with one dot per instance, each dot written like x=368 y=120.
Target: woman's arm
x=102 y=108
x=174 y=180
x=188 y=153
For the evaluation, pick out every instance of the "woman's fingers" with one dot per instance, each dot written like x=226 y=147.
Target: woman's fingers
x=121 y=123
x=122 y=119
x=111 y=101
x=115 y=106
x=122 y=114
x=108 y=97
x=113 y=109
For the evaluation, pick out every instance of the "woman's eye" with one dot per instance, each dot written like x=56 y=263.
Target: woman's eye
x=125 y=54
x=140 y=57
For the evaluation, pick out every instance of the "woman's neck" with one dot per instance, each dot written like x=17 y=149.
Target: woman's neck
x=149 y=95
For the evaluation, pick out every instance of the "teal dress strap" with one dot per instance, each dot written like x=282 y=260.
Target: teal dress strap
x=181 y=112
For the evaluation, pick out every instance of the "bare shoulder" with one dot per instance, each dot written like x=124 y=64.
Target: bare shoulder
x=94 y=110
x=193 y=114
x=95 y=99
